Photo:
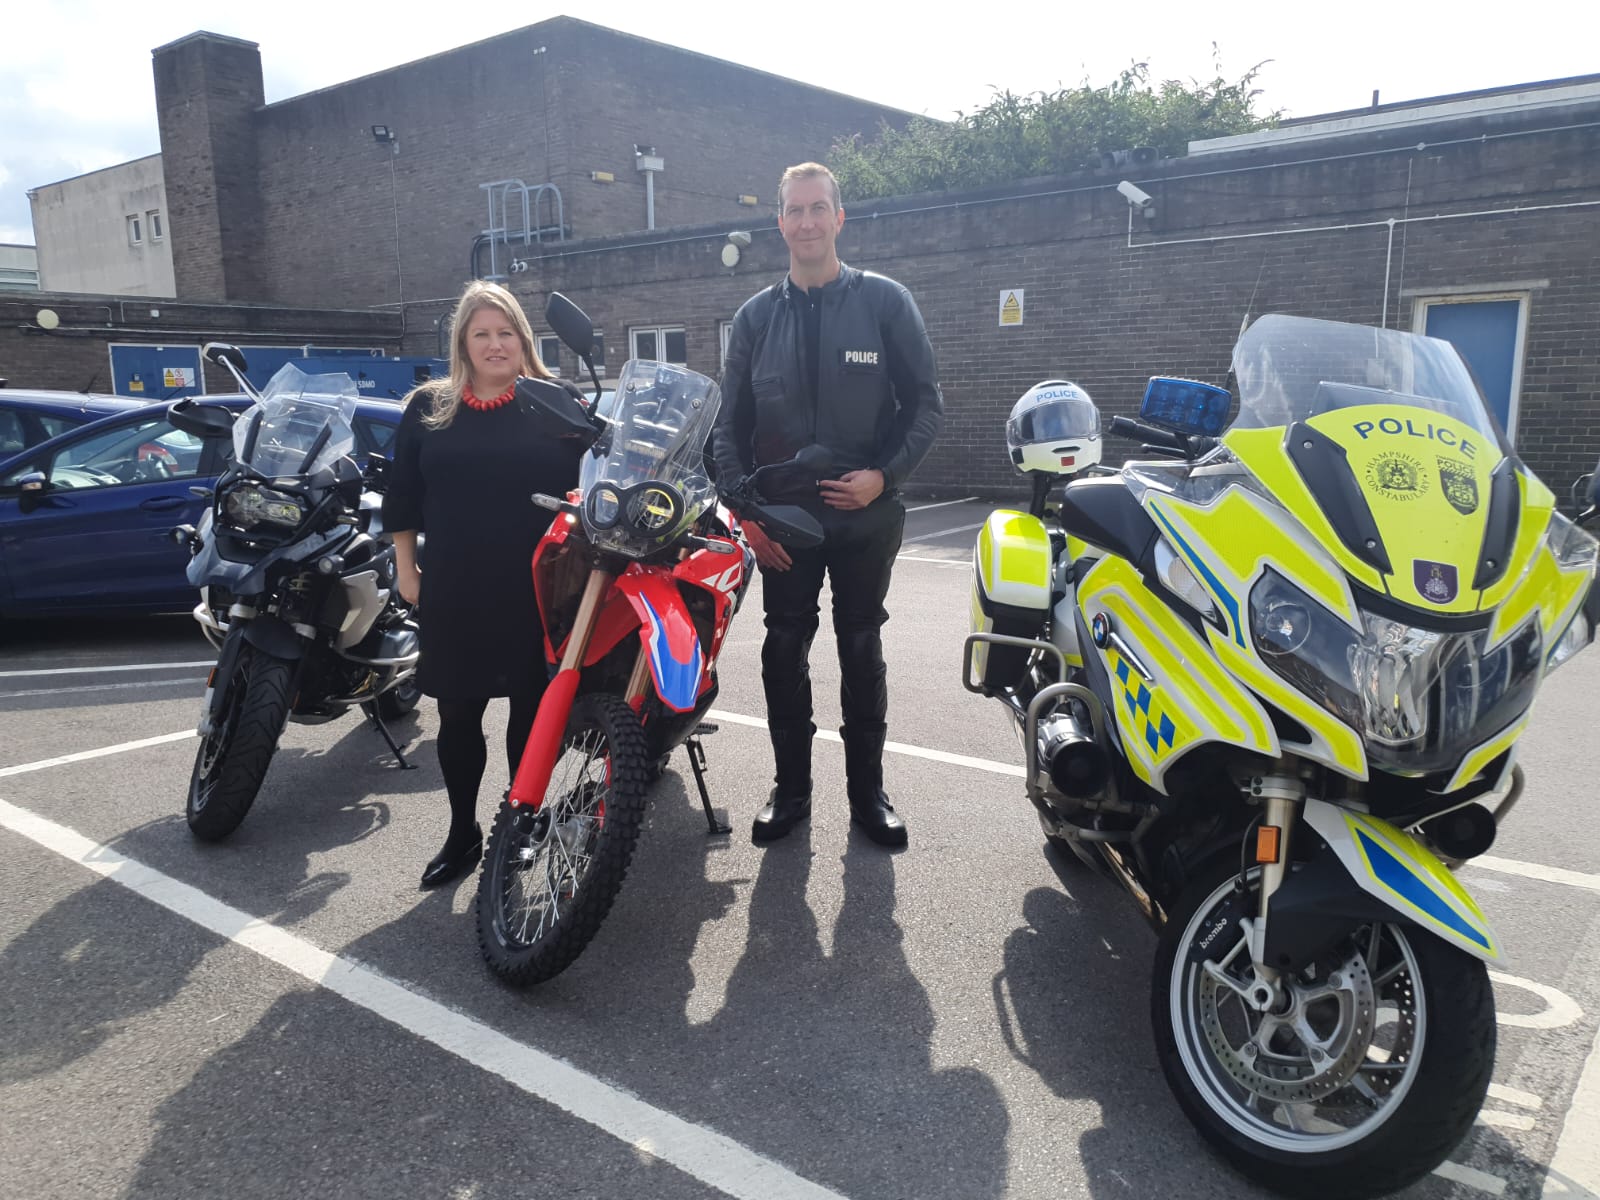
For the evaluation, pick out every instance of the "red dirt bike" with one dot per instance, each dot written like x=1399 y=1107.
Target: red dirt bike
x=637 y=581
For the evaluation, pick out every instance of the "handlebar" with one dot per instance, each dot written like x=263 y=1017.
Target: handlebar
x=1189 y=446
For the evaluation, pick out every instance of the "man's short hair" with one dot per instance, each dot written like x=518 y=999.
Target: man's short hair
x=810 y=170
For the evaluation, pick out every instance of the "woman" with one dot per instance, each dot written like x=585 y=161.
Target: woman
x=468 y=457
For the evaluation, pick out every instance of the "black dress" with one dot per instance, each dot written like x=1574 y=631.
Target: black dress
x=468 y=488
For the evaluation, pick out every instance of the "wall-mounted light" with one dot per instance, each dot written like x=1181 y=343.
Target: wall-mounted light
x=382 y=133
x=748 y=201
x=602 y=176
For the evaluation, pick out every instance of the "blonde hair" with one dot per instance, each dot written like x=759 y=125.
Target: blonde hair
x=810 y=170
x=480 y=293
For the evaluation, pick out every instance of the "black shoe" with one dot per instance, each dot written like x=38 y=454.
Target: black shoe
x=781 y=814
x=877 y=819
x=454 y=860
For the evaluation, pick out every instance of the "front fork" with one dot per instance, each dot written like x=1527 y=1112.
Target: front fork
x=550 y=725
x=1282 y=797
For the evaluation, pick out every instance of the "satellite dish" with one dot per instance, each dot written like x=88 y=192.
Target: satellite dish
x=730 y=255
x=46 y=318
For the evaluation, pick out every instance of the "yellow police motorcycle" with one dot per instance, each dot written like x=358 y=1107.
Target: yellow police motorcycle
x=1271 y=677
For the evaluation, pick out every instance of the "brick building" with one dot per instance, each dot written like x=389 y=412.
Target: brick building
x=371 y=192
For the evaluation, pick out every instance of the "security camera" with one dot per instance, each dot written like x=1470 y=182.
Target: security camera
x=1141 y=200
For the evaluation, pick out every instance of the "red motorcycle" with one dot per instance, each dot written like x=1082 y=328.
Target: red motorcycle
x=637 y=582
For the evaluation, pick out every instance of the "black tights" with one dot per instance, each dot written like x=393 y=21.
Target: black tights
x=463 y=754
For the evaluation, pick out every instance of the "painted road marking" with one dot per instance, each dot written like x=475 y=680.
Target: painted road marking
x=939 y=533
x=86 y=755
x=715 y=1160
x=104 y=687
x=1505 y=1120
x=1472 y=1177
x=942 y=504
x=1512 y=1096
x=938 y=562
x=828 y=735
x=210 y=662
x=1507 y=866
x=1560 y=1009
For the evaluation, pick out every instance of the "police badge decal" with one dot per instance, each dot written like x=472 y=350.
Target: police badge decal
x=1398 y=476
x=1460 y=485
x=1435 y=581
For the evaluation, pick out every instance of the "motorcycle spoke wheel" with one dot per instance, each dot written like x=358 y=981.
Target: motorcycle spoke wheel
x=232 y=760
x=550 y=876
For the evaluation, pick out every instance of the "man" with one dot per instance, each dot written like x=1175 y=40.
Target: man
x=835 y=358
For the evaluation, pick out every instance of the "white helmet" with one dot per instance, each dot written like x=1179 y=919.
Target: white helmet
x=1054 y=428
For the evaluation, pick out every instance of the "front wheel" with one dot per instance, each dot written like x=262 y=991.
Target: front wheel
x=233 y=759
x=1360 y=1079
x=399 y=701
x=550 y=876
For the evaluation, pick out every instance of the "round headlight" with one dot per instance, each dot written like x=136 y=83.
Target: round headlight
x=605 y=506
x=1283 y=628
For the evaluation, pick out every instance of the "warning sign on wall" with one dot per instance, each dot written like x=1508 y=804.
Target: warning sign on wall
x=177 y=377
x=1011 y=307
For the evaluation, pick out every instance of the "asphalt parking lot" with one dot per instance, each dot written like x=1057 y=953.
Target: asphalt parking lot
x=286 y=1014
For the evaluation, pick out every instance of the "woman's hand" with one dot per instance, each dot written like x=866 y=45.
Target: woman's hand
x=408 y=579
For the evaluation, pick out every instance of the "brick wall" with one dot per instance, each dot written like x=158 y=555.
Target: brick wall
x=75 y=357
x=1108 y=315
x=208 y=89
x=331 y=198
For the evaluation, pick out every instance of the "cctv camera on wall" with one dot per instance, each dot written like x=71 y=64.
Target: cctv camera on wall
x=1138 y=198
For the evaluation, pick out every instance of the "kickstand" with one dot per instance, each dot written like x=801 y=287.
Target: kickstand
x=371 y=709
x=697 y=762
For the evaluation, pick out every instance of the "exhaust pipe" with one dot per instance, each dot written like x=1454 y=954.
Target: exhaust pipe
x=1067 y=752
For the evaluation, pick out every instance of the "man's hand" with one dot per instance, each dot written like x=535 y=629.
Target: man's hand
x=768 y=553
x=852 y=490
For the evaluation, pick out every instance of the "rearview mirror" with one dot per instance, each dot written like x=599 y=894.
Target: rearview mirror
x=571 y=323
x=555 y=411
x=201 y=421
x=224 y=354
x=31 y=489
x=1185 y=406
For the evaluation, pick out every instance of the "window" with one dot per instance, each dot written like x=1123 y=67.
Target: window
x=373 y=437
x=549 y=347
x=154 y=217
x=135 y=229
x=661 y=343
x=13 y=440
x=724 y=336
x=146 y=452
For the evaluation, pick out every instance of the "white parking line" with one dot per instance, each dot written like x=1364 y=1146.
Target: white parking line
x=1576 y=1162
x=210 y=662
x=1507 y=866
x=103 y=687
x=955 y=760
x=939 y=533
x=1513 y=1096
x=1472 y=1177
x=941 y=504
x=942 y=562
x=1505 y=1120
x=715 y=1160
x=86 y=755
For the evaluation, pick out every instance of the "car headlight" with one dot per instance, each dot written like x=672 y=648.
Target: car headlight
x=250 y=505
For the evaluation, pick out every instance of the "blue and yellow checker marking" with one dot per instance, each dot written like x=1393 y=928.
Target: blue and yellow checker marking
x=1144 y=710
x=1413 y=876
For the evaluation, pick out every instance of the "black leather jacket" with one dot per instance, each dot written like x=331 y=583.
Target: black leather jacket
x=878 y=400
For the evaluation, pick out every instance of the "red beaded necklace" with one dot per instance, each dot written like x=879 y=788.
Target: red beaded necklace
x=473 y=402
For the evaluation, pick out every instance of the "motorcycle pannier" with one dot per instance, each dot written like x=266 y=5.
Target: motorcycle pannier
x=1010 y=592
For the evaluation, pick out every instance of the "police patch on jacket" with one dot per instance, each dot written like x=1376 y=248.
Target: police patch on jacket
x=860 y=360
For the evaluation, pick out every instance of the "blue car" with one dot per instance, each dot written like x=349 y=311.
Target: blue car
x=29 y=417
x=85 y=516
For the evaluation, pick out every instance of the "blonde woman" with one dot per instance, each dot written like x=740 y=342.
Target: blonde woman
x=467 y=458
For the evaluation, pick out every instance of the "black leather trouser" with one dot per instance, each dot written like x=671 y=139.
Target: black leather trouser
x=857 y=557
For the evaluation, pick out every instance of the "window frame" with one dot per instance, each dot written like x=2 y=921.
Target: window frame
x=659 y=332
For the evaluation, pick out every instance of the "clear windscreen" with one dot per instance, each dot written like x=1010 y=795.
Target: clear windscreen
x=644 y=481
x=1292 y=368
x=283 y=432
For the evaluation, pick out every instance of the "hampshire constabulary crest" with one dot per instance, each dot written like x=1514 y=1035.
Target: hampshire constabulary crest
x=1460 y=485
x=1398 y=476
x=1435 y=581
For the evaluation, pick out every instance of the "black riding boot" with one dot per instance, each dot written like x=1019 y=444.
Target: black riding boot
x=790 y=802
x=870 y=809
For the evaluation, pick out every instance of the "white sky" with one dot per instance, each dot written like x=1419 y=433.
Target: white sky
x=76 y=92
